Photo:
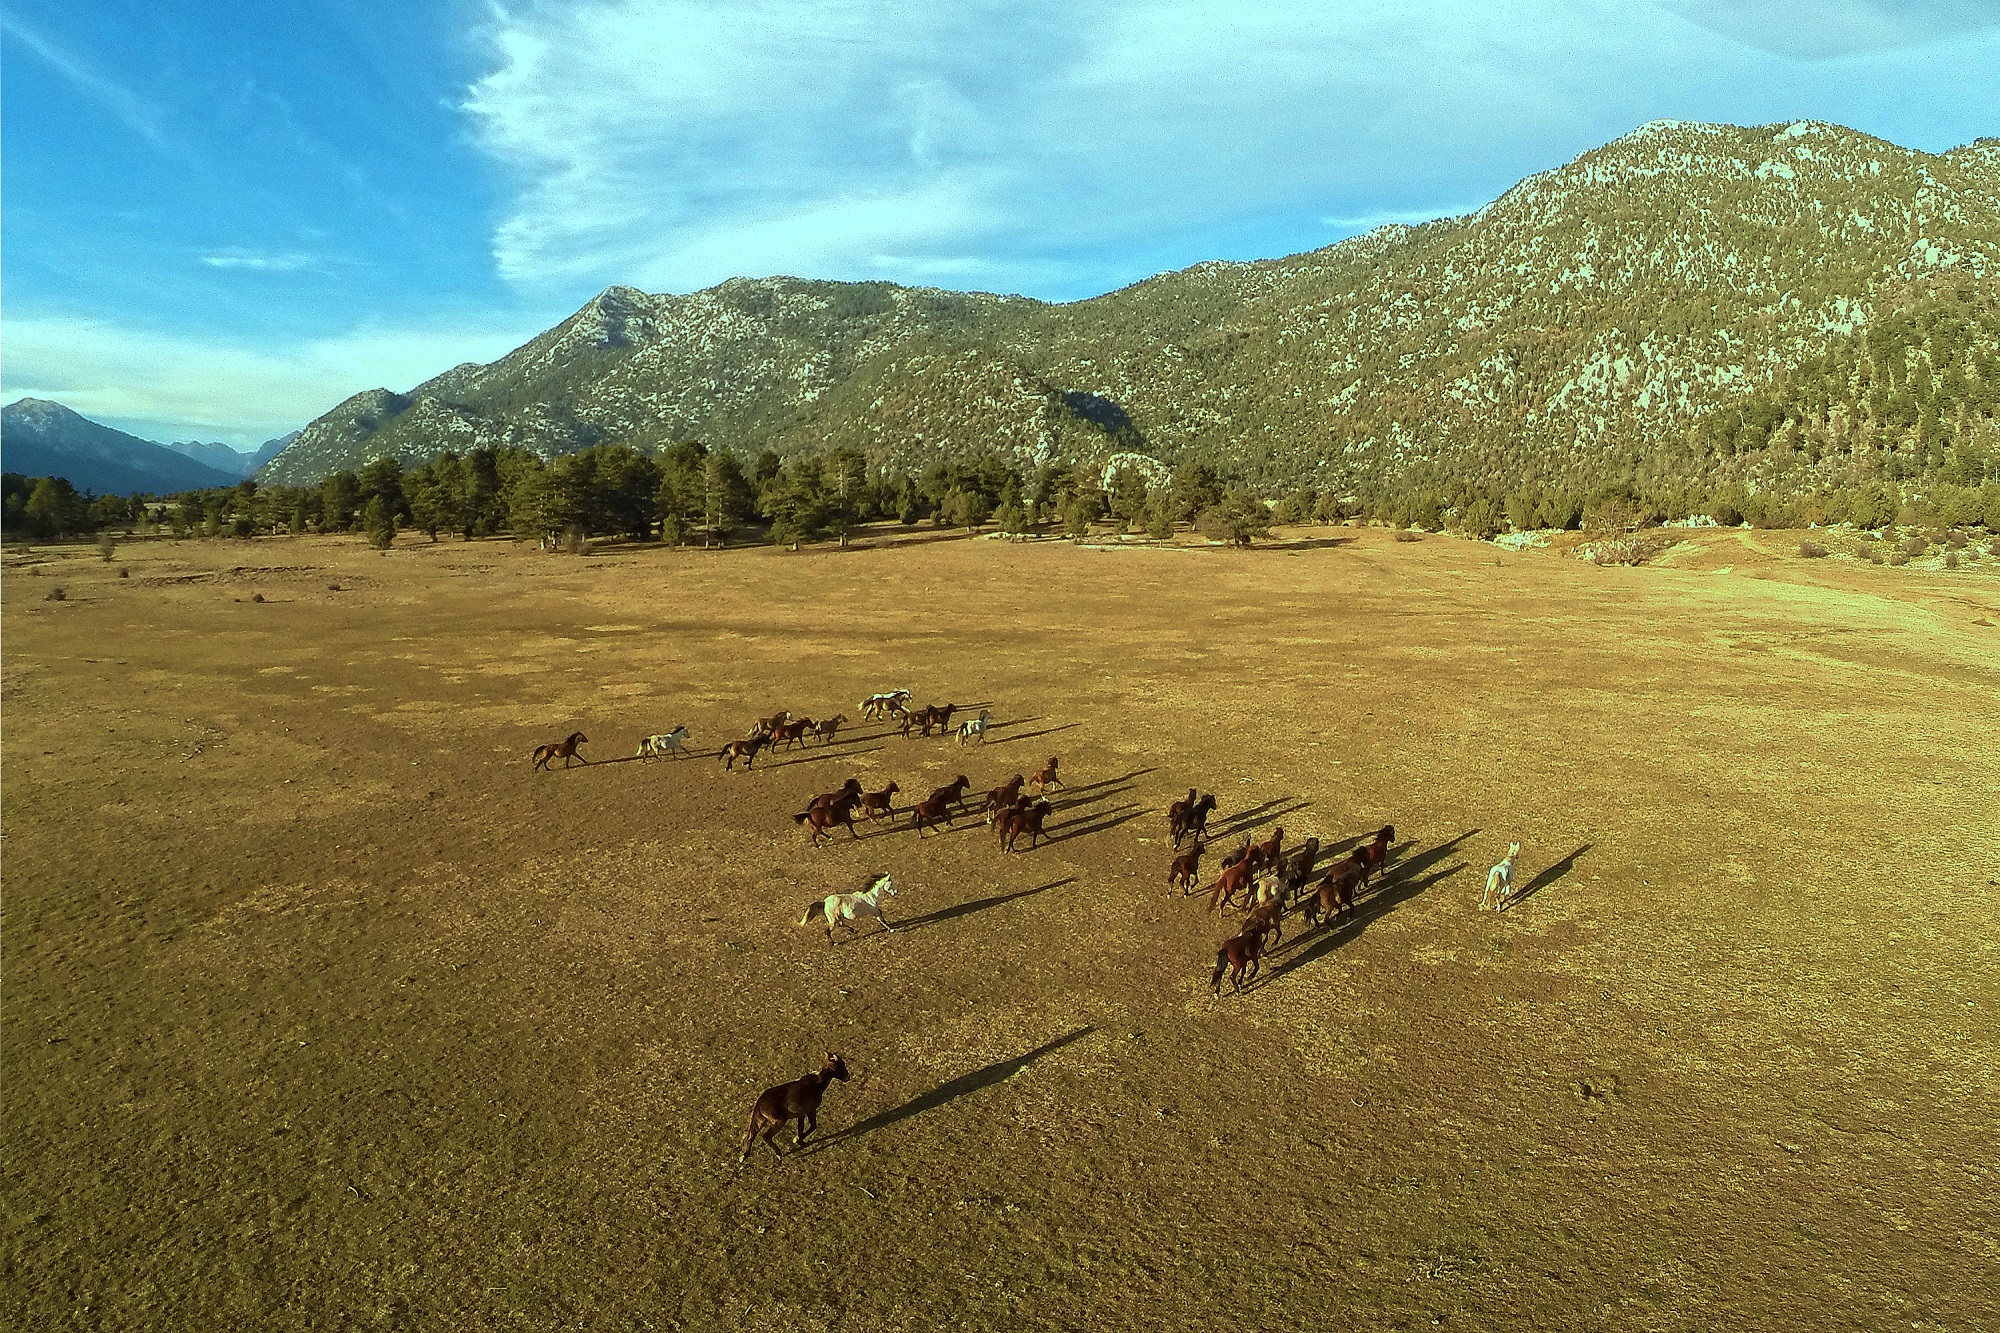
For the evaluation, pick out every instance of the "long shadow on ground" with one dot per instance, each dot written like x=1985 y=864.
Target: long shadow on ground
x=1270 y=812
x=979 y=905
x=1398 y=885
x=1097 y=823
x=1552 y=874
x=946 y=1093
x=1030 y=735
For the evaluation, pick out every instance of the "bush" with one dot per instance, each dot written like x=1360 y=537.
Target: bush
x=1955 y=540
x=1915 y=544
x=1728 y=515
x=1405 y=535
x=106 y=547
x=1812 y=550
x=257 y=597
x=56 y=594
x=1874 y=557
x=124 y=572
x=1951 y=560
x=1898 y=558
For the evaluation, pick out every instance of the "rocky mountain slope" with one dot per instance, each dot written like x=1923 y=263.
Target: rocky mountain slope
x=1593 y=318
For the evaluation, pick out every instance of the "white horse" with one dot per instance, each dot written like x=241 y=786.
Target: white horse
x=881 y=705
x=843 y=909
x=667 y=743
x=1500 y=881
x=972 y=727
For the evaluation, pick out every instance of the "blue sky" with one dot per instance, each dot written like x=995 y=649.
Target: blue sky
x=220 y=218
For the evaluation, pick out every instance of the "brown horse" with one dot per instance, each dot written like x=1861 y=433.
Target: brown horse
x=953 y=791
x=1236 y=879
x=746 y=750
x=1375 y=852
x=1028 y=821
x=1198 y=813
x=1045 y=776
x=798 y=1100
x=876 y=804
x=850 y=790
x=1244 y=951
x=1186 y=869
x=825 y=730
x=1003 y=796
x=1335 y=897
x=820 y=820
x=564 y=750
x=787 y=734
x=1293 y=870
x=1265 y=853
x=932 y=810
x=1236 y=854
x=1268 y=917
x=767 y=725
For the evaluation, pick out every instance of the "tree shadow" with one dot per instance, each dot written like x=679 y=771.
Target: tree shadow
x=1309 y=544
x=979 y=905
x=946 y=1093
x=1552 y=874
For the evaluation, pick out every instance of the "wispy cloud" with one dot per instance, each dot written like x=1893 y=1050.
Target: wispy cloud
x=257 y=261
x=135 y=112
x=179 y=386
x=1830 y=29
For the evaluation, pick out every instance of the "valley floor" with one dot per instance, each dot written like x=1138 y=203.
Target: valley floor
x=322 y=1010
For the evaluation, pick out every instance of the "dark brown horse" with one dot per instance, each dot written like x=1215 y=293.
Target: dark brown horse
x=1029 y=821
x=825 y=730
x=953 y=791
x=1294 y=869
x=1003 y=796
x=564 y=750
x=820 y=820
x=746 y=750
x=1189 y=815
x=798 y=1100
x=931 y=811
x=1268 y=917
x=1242 y=953
x=1375 y=852
x=850 y=790
x=1186 y=869
x=1045 y=776
x=1335 y=897
x=1265 y=853
x=876 y=804
x=787 y=734
x=1198 y=813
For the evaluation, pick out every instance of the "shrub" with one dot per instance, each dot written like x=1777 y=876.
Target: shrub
x=1951 y=560
x=257 y=597
x=1898 y=558
x=1874 y=557
x=333 y=587
x=56 y=594
x=1725 y=513
x=1915 y=545
x=106 y=547
x=1868 y=537
x=1405 y=535
x=124 y=571
x=1812 y=550
x=1955 y=540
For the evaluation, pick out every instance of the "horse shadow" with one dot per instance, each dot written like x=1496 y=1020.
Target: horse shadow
x=1093 y=798
x=1097 y=823
x=1069 y=792
x=1552 y=874
x=1397 y=871
x=979 y=905
x=946 y=1093
x=820 y=756
x=1270 y=812
x=1030 y=735
x=1378 y=904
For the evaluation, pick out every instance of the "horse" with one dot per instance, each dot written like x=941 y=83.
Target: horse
x=746 y=750
x=670 y=742
x=1265 y=853
x=1268 y=916
x=820 y=819
x=1336 y=889
x=1189 y=816
x=767 y=725
x=880 y=705
x=1243 y=951
x=1294 y=870
x=1045 y=776
x=1003 y=796
x=935 y=807
x=825 y=730
x=1198 y=813
x=1234 y=880
x=930 y=715
x=798 y=1100
x=1237 y=854
x=876 y=804
x=1500 y=881
x=1024 y=820
x=564 y=750
x=1177 y=816
x=1376 y=851
x=850 y=790
x=1186 y=869
x=842 y=908
x=788 y=734
x=975 y=727
x=953 y=791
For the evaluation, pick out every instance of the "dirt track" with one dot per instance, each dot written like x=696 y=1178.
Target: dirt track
x=321 y=1009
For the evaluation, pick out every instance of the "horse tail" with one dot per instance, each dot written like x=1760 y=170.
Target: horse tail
x=815 y=907
x=1221 y=966
x=802 y=816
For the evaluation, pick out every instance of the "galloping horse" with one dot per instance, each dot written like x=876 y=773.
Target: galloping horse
x=767 y=725
x=842 y=908
x=667 y=742
x=1186 y=869
x=825 y=730
x=746 y=750
x=798 y=1100
x=850 y=790
x=820 y=819
x=1045 y=776
x=787 y=734
x=1245 y=951
x=1021 y=820
x=1235 y=879
x=564 y=750
x=1376 y=851
x=1003 y=796
x=975 y=727
x=1336 y=889
x=938 y=805
x=876 y=804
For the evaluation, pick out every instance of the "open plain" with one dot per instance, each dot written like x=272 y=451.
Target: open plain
x=321 y=1010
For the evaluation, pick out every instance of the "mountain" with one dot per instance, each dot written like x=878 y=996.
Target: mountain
x=269 y=450
x=1595 y=318
x=218 y=456
x=39 y=438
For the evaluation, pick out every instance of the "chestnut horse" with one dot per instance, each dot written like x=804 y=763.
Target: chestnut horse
x=1244 y=951
x=1336 y=889
x=876 y=804
x=825 y=730
x=1023 y=820
x=564 y=750
x=788 y=734
x=821 y=819
x=850 y=790
x=938 y=805
x=1045 y=777
x=1003 y=796
x=798 y=1100
x=1268 y=917
x=1373 y=853
x=746 y=750
x=1186 y=869
x=1235 y=879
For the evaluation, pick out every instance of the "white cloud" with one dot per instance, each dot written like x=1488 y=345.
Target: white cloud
x=255 y=261
x=110 y=96
x=172 y=386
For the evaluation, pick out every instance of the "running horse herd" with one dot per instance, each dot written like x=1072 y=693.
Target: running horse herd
x=1264 y=880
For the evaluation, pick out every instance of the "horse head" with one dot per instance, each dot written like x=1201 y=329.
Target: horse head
x=835 y=1067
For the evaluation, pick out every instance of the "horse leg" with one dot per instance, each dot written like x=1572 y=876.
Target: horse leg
x=883 y=917
x=770 y=1139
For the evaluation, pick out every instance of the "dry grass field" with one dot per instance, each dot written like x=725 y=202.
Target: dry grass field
x=322 y=1011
